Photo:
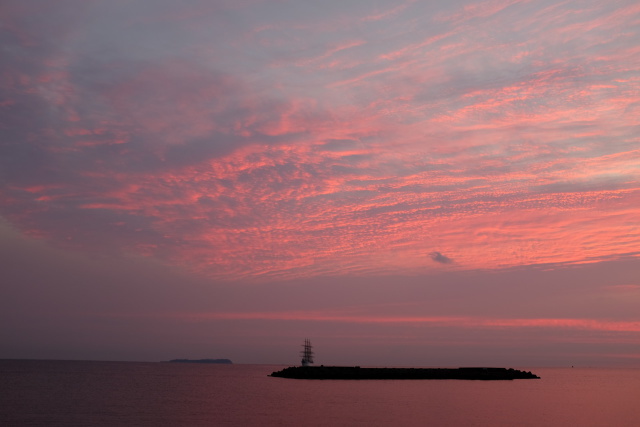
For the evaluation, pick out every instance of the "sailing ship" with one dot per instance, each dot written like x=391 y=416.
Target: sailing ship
x=306 y=353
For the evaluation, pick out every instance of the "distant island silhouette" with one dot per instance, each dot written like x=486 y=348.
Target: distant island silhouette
x=221 y=361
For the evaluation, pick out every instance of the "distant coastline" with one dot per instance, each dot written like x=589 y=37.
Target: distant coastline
x=220 y=361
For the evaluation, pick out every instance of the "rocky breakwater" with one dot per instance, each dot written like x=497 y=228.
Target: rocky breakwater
x=358 y=373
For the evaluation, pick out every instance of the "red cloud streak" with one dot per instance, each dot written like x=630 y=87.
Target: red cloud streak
x=442 y=321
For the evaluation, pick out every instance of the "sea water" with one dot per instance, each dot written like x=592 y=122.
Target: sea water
x=77 y=393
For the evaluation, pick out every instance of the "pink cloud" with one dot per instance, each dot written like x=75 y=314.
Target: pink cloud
x=331 y=51
x=389 y=12
x=415 y=48
x=482 y=9
x=440 y=321
x=492 y=154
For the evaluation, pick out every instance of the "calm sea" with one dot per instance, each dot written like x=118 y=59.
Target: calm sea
x=72 y=393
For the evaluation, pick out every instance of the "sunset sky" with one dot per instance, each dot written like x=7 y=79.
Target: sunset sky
x=429 y=183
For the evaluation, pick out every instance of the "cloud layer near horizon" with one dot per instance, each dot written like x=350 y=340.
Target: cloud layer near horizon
x=75 y=306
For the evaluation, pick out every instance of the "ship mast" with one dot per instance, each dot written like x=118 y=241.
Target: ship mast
x=306 y=353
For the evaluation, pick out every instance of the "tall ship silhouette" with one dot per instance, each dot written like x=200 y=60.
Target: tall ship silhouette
x=306 y=353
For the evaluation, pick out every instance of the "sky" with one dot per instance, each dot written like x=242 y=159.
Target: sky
x=410 y=183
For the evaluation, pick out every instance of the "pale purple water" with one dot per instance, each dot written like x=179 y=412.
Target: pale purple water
x=71 y=393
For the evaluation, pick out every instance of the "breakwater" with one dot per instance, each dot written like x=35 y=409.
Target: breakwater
x=358 y=373
x=224 y=361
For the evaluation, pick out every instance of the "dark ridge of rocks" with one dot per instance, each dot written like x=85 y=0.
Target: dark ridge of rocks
x=358 y=373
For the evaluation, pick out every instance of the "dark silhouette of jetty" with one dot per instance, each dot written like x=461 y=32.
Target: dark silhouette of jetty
x=307 y=372
x=358 y=373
